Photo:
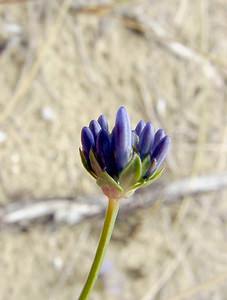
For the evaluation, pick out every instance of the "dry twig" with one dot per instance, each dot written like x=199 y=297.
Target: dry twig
x=140 y=23
x=73 y=211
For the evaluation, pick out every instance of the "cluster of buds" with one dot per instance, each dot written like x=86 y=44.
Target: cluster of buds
x=123 y=160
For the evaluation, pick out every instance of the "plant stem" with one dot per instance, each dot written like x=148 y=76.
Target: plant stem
x=111 y=214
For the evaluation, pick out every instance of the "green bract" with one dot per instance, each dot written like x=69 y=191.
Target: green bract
x=131 y=177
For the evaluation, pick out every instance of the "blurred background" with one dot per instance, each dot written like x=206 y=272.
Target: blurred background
x=62 y=64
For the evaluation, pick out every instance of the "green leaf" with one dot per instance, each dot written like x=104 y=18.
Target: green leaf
x=85 y=164
x=131 y=173
x=94 y=164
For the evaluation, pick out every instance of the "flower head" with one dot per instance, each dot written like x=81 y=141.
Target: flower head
x=123 y=160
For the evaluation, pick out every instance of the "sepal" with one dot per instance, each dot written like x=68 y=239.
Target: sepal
x=146 y=163
x=149 y=180
x=131 y=173
x=86 y=164
x=94 y=164
x=158 y=173
x=109 y=186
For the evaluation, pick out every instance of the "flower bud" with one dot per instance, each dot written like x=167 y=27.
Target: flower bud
x=95 y=128
x=103 y=122
x=126 y=159
x=103 y=150
x=121 y=139
x=146 y=140
x=161 y=151
x=160 y=133
x=139 y=127
x=87 y=140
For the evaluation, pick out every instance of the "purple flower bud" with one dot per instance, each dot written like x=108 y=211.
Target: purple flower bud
x=87 y=140
x=161 y=150
x=95 y=128
x=121 y=139
x=139 y=127
x=103 y=150
x=126 y=159
x=103 y=122
x=146 y=140
x=160 y=133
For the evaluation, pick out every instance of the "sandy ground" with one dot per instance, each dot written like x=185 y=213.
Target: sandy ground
x=63 y=66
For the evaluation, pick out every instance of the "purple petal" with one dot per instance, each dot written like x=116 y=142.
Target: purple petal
x=95 y=128
x=87 y=140
x=139 y=127
x=160 y=133
x=103 y=150
x=161 y=151
x=146 y=140
x=103 y=122
x=122 y=139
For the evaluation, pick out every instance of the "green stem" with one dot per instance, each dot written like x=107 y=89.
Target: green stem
x=111 y=214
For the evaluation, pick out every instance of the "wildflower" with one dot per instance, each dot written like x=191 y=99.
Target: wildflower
x=123 y=160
